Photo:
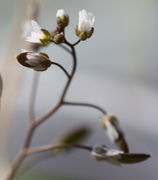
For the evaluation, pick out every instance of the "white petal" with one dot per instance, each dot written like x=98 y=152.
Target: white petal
x=32 y=39
x=86 y=21
x=114 y=152
x=31 y=27
x=24 y=50
x=60 y=13
x=35 y=26
x=111 y=132
x=26 y=30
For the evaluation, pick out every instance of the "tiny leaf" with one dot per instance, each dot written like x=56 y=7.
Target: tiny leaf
x=133 y=158
x=75 y=136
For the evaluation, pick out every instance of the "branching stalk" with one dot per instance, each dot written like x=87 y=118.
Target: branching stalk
x=35 y=123
x=87 y=105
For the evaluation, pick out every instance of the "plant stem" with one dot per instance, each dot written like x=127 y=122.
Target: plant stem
x=85 y=104
x=61 y=67
x=58 y=146
x=35 y=123
x=77 y=42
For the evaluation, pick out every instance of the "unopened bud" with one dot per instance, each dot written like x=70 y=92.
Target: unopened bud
x=62 y=18
x=33 y=60
x=58 y=38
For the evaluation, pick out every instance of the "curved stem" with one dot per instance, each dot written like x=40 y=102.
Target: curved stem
x=60 y=103
x=34 y=124
x=58 y=146
x=72 y=73
x=61 y=67
x=77 y=42
x=85 y=104
x=65 y=48
x=16 y=165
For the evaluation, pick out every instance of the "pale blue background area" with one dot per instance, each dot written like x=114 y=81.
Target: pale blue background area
x=117 y=69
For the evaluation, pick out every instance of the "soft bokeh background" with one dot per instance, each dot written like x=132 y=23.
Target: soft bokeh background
x=117 y=69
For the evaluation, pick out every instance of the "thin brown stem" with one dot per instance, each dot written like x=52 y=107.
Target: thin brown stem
x=65 y=48
x=35 y=123
x=58 y=146
x=85 y=104
x=61 y=67
x=48 y=148
x=77 y=42
x=60 y=103
x=16 y=165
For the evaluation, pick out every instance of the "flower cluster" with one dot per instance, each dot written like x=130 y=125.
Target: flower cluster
x=34 y=33
x=40 y=61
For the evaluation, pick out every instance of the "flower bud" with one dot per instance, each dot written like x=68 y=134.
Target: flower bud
x=114 y=132
x=58 y=38
x=37 y=61
x=62 y=18
x=83 y=36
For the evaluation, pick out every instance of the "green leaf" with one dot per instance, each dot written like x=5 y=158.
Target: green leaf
x=75 y=136
x=133 y=158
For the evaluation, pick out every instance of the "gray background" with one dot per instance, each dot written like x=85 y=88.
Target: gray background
x=117 y=69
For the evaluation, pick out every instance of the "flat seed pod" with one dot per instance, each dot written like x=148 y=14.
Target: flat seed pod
x=133 y=158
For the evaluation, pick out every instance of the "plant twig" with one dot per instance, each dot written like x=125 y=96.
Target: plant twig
x=58 y=146
x=85 y=104
x=35 y=123
x=77 y=42
x=61 y=67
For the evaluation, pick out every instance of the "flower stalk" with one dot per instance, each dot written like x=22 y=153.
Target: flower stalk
x=39 y=61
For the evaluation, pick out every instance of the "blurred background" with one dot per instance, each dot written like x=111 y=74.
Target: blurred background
x=117 y=69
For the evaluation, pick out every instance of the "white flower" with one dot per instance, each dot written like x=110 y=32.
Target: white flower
x=102 y=153
x=61 y=13
x=35 y=34
x=37 y=61
x=86 y=21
